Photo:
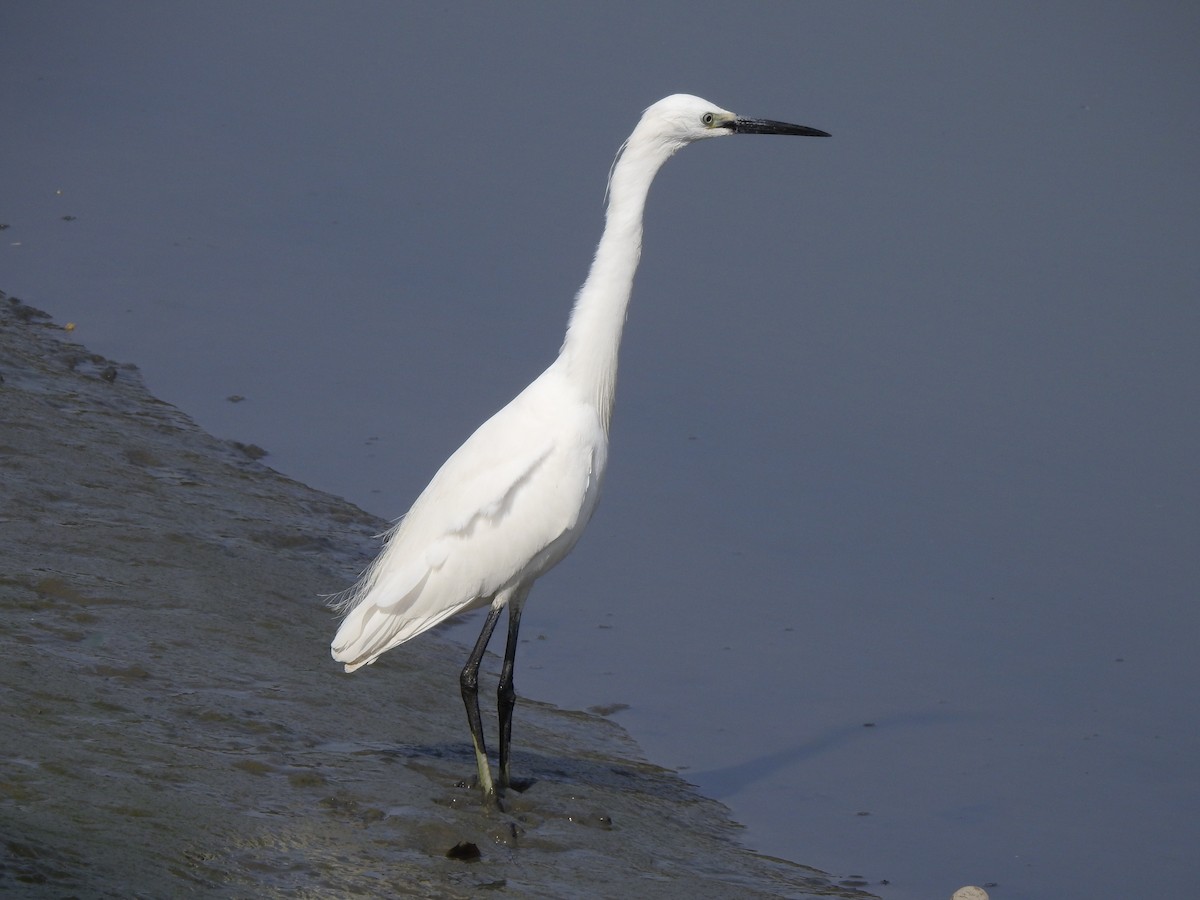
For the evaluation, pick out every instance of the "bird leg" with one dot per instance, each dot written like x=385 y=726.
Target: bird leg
x=506 y=694
x=469 y=682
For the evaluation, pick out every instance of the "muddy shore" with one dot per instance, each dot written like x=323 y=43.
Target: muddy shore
x=171 y=723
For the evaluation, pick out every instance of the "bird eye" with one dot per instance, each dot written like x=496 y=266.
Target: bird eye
x=707 y=119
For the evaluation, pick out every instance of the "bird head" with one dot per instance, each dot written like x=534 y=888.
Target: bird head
x=682 y=118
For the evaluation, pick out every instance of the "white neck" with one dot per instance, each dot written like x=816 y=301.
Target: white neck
x=589 y=351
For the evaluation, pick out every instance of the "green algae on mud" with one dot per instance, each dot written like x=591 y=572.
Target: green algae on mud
x=171 y=722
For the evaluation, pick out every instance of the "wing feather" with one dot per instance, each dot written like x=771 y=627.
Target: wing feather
x=505 y=506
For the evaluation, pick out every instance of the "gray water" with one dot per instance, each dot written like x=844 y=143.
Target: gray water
x=898 y=550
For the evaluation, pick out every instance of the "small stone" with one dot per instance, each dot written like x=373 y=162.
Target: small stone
x=465 y=851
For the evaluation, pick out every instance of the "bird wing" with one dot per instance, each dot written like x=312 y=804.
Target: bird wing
x=503 y=508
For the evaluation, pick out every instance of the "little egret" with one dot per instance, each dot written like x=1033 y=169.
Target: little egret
x=513 y=500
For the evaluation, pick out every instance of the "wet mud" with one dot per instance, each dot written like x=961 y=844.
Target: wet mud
x=171 y=723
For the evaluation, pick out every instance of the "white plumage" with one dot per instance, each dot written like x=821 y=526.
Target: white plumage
x=509 y=504
x=513 y=500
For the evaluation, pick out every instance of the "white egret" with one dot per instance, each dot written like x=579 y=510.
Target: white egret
x=513 y=500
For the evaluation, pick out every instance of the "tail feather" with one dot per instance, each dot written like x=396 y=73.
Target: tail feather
x=370 y=631
x=386 y=609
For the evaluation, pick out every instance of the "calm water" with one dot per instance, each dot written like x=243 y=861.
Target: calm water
x=897 y=555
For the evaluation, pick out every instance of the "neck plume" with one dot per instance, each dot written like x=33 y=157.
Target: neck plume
x=589 y=352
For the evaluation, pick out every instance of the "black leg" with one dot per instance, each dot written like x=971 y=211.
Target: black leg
x=506 y=694
x=469 y=682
